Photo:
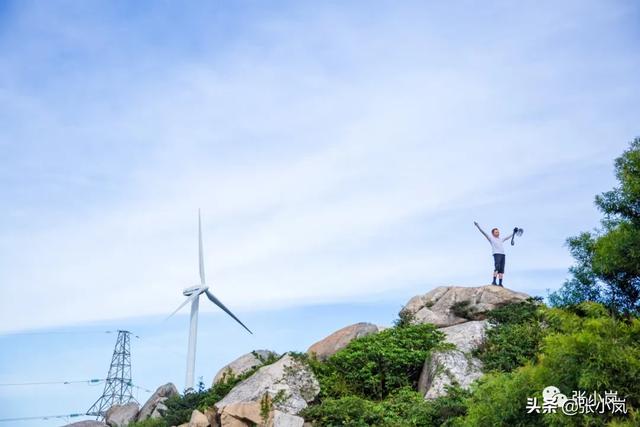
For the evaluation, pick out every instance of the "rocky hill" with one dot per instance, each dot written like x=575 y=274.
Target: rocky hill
x=279 y=387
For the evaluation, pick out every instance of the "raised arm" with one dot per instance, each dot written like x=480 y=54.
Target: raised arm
x=481 y=230
x=508 y=237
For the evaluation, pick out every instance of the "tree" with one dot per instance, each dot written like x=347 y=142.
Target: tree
x=607 y=268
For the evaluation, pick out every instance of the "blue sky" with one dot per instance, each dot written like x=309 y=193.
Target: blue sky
x=340 y=152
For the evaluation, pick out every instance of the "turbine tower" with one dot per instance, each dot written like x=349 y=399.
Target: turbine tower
x=193 y=296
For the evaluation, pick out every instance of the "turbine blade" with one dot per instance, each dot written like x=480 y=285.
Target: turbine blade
x=187 y=301
x=217 y=302
x=201 y=257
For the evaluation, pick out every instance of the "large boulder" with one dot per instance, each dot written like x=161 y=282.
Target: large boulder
x=154 y=407
x=248 y=414
x=212 y=416
x=282 y=419
x=448 y=367
x=121 y=415
x=466 y=336
x=198 y=419
x=241 y=414
x=328 y=346
x=244 y=364
x=289 y=383
x=451 y=305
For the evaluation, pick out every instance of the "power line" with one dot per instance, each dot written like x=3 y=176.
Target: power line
x=94 y=381
x=43 y=417
x=91 y=381
x=9 y=334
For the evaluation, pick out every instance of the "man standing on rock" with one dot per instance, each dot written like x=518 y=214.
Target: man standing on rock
x=498 y=252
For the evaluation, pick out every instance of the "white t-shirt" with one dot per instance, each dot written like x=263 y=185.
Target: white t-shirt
x=496 y=242
x=496 y=245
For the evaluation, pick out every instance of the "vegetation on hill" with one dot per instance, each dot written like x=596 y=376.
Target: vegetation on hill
x=375 y=365
x=577 y=349
x=514 y=337
x=373 y=381
x=529 y=347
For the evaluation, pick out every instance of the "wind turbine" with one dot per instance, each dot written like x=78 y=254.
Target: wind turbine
x=193 y=296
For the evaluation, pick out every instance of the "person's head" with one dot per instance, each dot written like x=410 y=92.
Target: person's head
x=495 y=232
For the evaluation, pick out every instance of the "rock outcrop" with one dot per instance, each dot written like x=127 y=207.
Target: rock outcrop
x=451 y=305
x=328 y=346
x=244 y=364
x=198 y=419
x=282 y=419
x=447 y=367
x=456 y=312
x=466 y=336
x=121 y=415
x=154 y=407
x=241 y=414
x=248 y=414
x=288 y=382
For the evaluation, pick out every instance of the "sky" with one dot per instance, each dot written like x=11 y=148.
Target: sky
x=339 y=152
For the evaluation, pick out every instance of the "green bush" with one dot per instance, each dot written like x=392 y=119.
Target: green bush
x=180 y=407
x=500 y=400
x=373 y=366
x=407 y=407
x=588 y=352
x=403 y=408
x=405 y=318
x=514 y=338
x=372 y=381
x=350 y=411
x=465 y=310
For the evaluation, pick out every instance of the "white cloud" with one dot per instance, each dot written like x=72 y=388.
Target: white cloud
x=305 y=152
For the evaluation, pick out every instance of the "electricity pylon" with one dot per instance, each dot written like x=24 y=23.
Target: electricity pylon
x=118 y=387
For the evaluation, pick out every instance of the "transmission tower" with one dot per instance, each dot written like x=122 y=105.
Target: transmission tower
x=118 y=387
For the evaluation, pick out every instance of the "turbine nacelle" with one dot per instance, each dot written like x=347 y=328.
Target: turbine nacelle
x=187 y=292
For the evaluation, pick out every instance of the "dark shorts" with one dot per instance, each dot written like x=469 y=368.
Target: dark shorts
x=498 y=260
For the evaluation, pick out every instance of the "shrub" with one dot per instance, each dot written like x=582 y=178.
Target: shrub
x=374 y=365
x=180 y=407
x=590 y=353
x=500 y=399
x=405 y=318
x=350 y=411
x=465 y=310
x=403 y=408
x=406 y=407
x=514 y=338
